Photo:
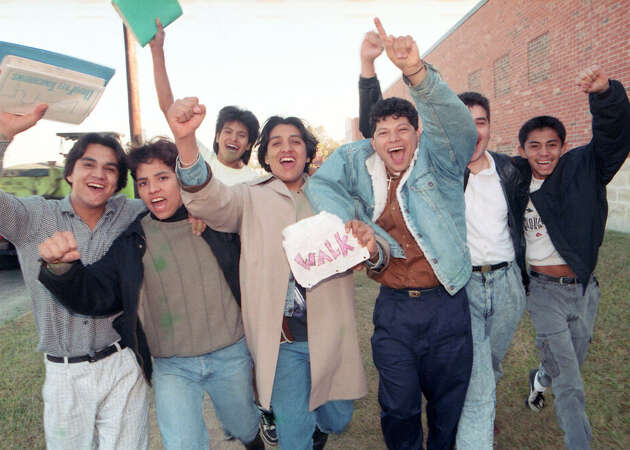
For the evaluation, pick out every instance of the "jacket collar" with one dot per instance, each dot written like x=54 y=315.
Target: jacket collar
x=378 y=174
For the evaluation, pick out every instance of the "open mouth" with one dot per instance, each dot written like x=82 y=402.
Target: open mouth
x=287 y=161
x=96 y=186
x=158 y=203
x=232 y=148
x=397 y=154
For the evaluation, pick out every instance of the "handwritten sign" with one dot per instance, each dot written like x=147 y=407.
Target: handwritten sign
x=319 y=247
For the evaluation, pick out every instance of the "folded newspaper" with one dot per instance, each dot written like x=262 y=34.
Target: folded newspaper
x=319 y=247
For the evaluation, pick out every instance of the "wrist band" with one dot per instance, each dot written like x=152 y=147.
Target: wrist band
x=416 y=72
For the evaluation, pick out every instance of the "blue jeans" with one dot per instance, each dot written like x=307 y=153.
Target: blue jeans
x=179 y=384
x=564 y=317
x=497 y=301
x=290 y=399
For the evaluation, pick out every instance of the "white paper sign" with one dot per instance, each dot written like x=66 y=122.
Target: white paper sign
x=318 y=247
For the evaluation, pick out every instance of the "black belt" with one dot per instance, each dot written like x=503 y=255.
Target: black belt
x=415 y=292
x=561 y=280
x=90 y=358
x=489 y=267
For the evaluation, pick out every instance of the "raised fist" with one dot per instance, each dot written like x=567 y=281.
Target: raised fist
x=61 y=247
x=184 y=117
x=592 y=80
x=371 y=47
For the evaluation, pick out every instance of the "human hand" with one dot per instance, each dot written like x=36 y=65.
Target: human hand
x=61 y=247
x=592 y=80
x=402 y=51
x=371 y=47
x=157 y=43
x=184 y=117
x=365 y=235
x=198 y=225
x=12 y=124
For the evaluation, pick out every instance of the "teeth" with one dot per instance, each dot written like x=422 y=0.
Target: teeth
x=158 y=199
x=395 y=149
x=232 y=147
x=95 y=185
x=287 y=160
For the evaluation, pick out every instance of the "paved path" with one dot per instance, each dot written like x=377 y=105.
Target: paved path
x=14 y=300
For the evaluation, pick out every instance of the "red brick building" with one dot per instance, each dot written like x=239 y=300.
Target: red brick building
x=524 y=56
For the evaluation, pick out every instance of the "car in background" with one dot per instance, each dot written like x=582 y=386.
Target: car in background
x=24 y=180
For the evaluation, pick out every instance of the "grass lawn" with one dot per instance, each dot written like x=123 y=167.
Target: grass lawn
x=606 y=374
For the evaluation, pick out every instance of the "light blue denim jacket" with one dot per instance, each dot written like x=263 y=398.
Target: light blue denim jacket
x=352 y=183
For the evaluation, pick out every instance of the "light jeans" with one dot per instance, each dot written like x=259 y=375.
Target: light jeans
x=290 y=399
x=497 y=302
x=104 y=404
x=179 y=384
x=564 y=317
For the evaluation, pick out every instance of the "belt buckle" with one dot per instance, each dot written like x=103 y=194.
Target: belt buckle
x=415 y=293
x=566 y=280
x=486 y=268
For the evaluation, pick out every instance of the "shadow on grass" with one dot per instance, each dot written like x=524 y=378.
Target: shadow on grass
x=606 y=374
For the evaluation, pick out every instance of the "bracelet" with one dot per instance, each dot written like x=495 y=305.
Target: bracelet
x=416 y=72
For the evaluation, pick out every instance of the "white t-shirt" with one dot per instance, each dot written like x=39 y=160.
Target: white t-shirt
x=488 y=234
x=227 y=175
x=540 y=250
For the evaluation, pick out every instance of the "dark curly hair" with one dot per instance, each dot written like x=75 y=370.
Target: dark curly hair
x=393 y=106
x=159 y=148
x=263 y=140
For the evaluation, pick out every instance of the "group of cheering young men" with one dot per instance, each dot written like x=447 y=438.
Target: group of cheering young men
x=127 y=293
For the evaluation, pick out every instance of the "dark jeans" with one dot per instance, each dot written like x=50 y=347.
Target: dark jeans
x=421 y=345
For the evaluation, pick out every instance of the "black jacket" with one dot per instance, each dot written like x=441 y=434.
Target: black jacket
x=572 y=201
x=112 y=284
x=513 y=184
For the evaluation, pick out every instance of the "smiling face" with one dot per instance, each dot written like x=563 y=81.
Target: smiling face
x=233 y=142
x=480 y=116
x=286 y=155
x=94 y=179
x=158 y=188
x=542 y=148
x=395 y=140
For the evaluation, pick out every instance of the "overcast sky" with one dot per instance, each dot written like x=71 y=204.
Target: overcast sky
x=292 y=57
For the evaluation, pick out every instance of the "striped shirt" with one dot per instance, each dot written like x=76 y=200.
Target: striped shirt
x=27 y=222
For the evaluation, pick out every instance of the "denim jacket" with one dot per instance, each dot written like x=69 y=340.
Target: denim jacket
x=352 y=183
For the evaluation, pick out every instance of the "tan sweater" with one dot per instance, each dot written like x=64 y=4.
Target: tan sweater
x=186 y=306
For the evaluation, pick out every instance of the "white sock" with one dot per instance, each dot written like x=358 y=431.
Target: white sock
x=539 y=387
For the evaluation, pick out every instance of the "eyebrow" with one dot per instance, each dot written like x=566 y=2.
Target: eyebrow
x=87 y=158
x=291 y=135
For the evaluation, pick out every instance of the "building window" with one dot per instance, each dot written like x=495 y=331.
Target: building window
x=502 y=76
x=538 y=59
x=474 y=81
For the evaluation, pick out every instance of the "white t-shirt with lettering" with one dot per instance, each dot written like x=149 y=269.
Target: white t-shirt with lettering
x=540 y=250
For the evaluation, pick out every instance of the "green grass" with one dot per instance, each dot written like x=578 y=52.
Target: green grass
x=606 y=374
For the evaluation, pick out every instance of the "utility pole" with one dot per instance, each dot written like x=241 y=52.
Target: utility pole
x=133 y=95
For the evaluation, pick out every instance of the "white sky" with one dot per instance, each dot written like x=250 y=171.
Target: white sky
x=291 y=57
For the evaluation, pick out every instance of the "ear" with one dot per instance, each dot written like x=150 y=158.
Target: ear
x=521 y=151
x=267 y=158
x=563 y=149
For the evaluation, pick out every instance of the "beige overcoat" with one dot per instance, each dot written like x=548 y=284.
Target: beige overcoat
x=259 y=211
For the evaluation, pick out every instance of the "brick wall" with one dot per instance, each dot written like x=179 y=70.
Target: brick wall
x=524 y=56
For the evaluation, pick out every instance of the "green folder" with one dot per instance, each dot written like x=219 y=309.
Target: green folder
x=139 y=16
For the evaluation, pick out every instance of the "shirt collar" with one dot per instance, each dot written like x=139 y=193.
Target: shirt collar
x=110 y=207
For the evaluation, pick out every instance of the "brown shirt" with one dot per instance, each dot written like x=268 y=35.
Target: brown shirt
x=413 y=272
